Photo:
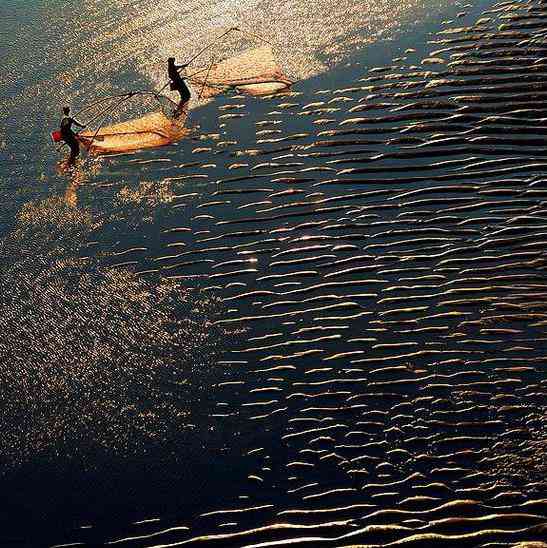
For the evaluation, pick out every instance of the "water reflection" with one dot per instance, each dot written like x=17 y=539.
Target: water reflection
x=71 y=192
x=391 y=282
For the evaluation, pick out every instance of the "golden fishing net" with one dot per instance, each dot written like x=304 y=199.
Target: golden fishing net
x=254 y=72
x=149 y=131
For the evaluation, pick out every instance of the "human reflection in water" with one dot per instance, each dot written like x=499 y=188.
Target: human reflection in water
x=71 y=195
x=76 y=176
x=76 y=179
x=177 y=83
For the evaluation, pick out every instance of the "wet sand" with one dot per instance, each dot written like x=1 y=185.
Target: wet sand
x=382 y=248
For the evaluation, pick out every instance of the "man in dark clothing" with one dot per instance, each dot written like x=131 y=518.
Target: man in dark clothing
x=177 y=82
x=69 y=137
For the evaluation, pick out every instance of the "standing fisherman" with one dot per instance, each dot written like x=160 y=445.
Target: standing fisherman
x=68 y=136
x=177 y=82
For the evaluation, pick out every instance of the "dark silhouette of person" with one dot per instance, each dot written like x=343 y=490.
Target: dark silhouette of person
x=68 y=136
x=177 y=82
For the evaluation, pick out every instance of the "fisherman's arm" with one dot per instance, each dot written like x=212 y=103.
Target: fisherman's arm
x=76 y=123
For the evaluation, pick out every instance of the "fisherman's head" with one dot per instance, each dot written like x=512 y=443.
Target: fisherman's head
x=171 y=61
x=66 y=111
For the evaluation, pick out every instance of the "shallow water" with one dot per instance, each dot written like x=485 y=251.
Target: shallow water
x=318 y=321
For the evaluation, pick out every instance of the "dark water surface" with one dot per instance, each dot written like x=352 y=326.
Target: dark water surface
x=319 y=321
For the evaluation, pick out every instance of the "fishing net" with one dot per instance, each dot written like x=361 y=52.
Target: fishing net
x=254 y=72
x=163 y=126
x=147 y=120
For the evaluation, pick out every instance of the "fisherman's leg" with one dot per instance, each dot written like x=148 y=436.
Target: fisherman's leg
x=74 y=150
x=184 y=96
x=184 y=93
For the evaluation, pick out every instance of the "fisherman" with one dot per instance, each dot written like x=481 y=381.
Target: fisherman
x=68 y=136
x=177 y=82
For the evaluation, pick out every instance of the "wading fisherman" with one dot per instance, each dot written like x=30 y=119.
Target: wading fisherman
x=177 y=82
x=68 y=136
